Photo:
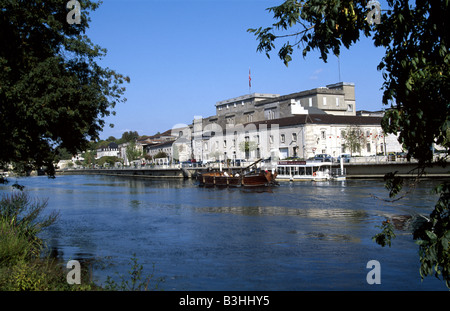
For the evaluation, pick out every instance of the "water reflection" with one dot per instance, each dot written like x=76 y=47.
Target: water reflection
x=328 y=213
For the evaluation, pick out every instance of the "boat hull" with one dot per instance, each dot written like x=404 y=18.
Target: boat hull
x=262 y=179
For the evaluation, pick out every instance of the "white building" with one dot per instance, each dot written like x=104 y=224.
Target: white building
x=112 y=150
x=296 y=125
x=301 y=136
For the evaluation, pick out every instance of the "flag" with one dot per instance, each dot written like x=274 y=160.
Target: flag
x=249 y=78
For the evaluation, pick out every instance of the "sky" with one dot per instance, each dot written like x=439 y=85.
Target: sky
x=183 y=57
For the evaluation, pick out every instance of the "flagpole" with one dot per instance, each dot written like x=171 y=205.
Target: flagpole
x=249 y=81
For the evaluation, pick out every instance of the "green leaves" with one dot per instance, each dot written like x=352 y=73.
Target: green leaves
x=393 y=183
x=433 y=238
x=316 y=25
x=386 y=235
x=53 y=94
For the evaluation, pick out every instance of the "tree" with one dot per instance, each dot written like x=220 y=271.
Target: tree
x=53 y=94
x=416 y=86
x=129 y=136
x=160 y=154
x=133 y=152
x=353 y=139
x=110 y=160
x=247 y=147
x=89 y=158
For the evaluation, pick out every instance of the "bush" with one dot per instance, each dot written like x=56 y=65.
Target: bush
x=23 y=213
x=21 y=267
x=14 y=245
x=137 y=282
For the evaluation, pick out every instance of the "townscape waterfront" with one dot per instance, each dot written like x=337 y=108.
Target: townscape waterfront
x=301 y=125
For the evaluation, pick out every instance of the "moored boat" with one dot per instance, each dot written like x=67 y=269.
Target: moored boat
x=307 y=171
x=248 y=177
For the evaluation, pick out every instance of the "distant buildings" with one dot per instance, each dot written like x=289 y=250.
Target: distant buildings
x=252 y=126
x=297 y=125
x=112 y=150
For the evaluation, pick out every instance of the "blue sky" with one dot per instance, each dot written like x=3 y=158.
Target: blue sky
x=184 y=56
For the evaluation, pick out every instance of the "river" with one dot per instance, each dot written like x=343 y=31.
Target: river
x=297 y=236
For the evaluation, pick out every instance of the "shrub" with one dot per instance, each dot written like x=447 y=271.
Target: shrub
x=24 y=214
x=14 y=245
x=137 y=282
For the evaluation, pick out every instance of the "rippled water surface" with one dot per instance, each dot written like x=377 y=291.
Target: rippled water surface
x=297 y=236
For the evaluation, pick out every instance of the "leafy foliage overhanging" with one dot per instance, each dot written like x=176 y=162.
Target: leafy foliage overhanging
x=53 y=93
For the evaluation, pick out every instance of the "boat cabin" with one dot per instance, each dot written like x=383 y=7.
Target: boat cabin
x=302 y=170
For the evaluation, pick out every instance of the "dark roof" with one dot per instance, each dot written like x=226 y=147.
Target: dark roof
x=160 y=145
x=113 y=145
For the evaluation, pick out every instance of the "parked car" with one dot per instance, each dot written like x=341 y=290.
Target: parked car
x=345 y=157
x=323 y=157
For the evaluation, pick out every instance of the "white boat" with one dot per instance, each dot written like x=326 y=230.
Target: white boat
x=307 y=171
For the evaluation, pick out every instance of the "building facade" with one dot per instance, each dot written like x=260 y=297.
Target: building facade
x=112 y=150
x=298 y=125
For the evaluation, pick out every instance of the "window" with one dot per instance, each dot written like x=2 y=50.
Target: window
x=271 y=139
x=337 y=101
x=294 y=136
x=368 y=147
x=270 y=114
x=323 y=134
x=324 y=101
x=250 y=117
x=225 y=143
x=283 y=138
x=349 y=108
x=310 y=102
x=230 y=120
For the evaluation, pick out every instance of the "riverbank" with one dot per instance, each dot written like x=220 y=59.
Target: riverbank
x=353 y=171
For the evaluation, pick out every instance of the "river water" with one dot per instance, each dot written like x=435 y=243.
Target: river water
x=297 y=236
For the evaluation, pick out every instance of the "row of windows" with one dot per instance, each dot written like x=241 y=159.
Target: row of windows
x=227 y=106
x=283 y=137
x=323 y=134
x=270 y=115
x=256 y=139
